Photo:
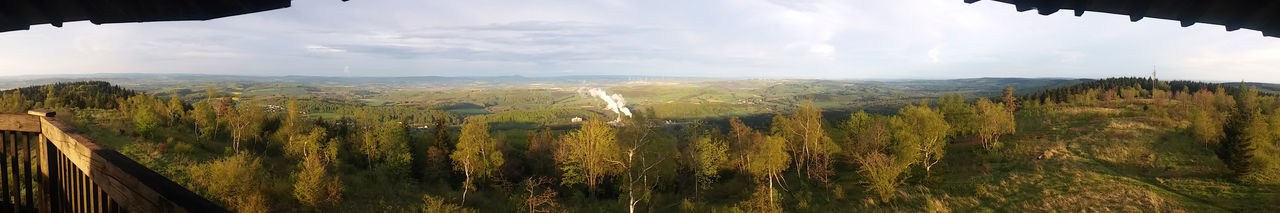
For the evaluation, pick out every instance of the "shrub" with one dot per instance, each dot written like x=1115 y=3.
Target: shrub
x=237 y=181
x=881 y=174
x=432 y=204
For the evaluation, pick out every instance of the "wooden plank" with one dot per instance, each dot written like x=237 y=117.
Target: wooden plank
x=28 y=188
x=46 y=186
x=77 y=191
x=91 y=196
x=4 y=167
x=13 y=169
x=41 y=112
x=19 y=122
x=69 y=144
x=65 y=179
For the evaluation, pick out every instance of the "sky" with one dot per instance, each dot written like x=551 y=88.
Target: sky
x=827 y=39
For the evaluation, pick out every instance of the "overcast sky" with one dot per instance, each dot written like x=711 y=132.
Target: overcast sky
x=714 y=38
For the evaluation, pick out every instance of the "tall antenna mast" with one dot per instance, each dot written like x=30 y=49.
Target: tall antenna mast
x=1153 y=80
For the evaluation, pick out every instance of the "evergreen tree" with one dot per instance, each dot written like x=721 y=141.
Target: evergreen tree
x=1248 y=148
x=1010 y=103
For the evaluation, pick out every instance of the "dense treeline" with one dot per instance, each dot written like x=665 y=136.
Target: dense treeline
x=86 y=94
x=540 y=116
x=401 y=113
x=513 y=98
x=1134 y=86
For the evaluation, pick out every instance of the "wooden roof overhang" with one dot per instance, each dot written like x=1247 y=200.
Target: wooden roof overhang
x=1260 y=15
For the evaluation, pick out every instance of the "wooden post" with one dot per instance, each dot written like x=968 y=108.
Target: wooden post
x=46 y=203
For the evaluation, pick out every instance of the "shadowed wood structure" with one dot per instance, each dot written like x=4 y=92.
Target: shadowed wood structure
x=1260 y=15
x=45 y=166
x=21 y=14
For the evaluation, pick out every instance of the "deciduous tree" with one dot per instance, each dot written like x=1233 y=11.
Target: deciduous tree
x=646 y=157
x=386 y=148
x=317 y=187
x=206 y=119
x=993 y=121
x=812 y=148
x=708 y=155
x=767 y=163
x=867 y=133
x=587 y=155
x=144 y=120
x=962 y=117
x=247 y=123
x=923 y=130
x=14 y=102
x=477 y=155
x=176 y=108
x=237 y=180
x=882 y=174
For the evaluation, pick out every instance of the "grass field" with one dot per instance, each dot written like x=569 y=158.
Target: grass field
x=1091 y=159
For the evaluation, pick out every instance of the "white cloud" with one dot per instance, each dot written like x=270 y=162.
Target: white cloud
x=824 y=50
x=323 y=49
x=934 y=53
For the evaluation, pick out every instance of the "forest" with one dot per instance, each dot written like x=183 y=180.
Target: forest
x=1116 y=144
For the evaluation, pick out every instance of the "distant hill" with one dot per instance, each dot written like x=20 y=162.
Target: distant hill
x=993 y=86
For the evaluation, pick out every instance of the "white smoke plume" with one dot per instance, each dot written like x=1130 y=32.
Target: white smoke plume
x=615 y=102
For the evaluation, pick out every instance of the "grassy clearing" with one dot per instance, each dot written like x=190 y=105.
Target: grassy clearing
x=1094 y=159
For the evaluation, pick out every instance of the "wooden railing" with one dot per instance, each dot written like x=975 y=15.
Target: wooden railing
x=45 y=166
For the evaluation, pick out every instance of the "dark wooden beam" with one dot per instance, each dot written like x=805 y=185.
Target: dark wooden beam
x=1272 y=27
x=1245 y=9
x=1048 y=7
x=10 y=13
x=1080 y=6
x=1191 y=11
x=1023 y=5
x=1138 y=9
x=50 y=13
